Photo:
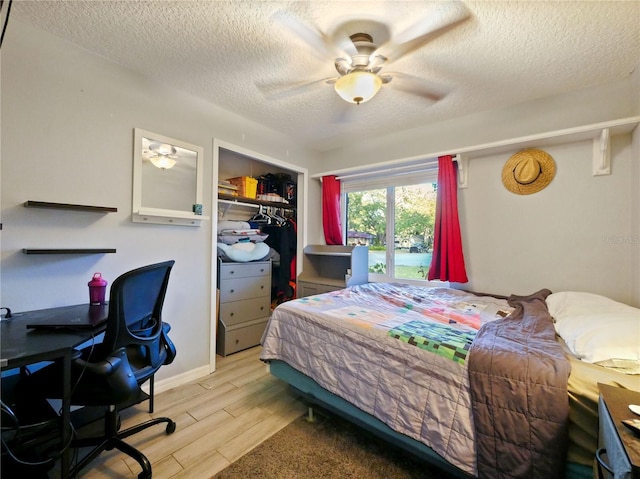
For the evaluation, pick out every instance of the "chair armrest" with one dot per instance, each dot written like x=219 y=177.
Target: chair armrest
x=109 y=381
x=167 y=344
x=106 y=366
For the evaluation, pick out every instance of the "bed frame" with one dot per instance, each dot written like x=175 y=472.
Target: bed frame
x=315 y=394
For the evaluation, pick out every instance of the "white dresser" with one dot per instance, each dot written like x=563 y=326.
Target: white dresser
x=245 y=304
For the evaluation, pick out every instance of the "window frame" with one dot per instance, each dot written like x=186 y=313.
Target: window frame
x=351 y=187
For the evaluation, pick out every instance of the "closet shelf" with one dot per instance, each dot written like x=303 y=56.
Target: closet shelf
x=230 y=199
x=68 y=206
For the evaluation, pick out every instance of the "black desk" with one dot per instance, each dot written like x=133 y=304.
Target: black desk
x=21 y=347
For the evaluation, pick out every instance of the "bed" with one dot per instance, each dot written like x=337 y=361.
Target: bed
x=427 y=369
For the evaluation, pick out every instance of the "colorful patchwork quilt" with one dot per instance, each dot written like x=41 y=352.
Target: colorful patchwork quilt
x=436 y=338
x=396 y=351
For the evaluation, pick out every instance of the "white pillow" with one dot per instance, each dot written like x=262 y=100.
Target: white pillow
x=244 y=252
x=596 y=328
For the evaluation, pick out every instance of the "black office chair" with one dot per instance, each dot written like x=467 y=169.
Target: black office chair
x=134 y=347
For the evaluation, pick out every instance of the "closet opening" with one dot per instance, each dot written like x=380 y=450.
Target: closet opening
x=257 y=240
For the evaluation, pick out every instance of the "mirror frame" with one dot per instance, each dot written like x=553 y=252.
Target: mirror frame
x=142 y=214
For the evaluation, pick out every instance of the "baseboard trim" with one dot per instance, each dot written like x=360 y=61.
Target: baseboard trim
x=178 y=380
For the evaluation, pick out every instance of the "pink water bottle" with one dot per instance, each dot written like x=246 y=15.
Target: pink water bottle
x=97 y=289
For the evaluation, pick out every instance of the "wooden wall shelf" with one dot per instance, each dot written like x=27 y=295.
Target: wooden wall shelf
x=68 y=250
x=598 y=133
x=68 y=206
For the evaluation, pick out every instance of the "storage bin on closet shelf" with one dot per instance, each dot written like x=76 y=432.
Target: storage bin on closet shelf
x=247 y=186
x=226 y=188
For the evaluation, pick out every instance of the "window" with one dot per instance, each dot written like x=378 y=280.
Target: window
x=395 y=221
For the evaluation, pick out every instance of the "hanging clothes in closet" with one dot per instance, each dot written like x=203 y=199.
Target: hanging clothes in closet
x=283 y=239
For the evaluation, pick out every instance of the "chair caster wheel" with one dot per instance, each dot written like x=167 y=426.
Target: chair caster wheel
x=171 y=427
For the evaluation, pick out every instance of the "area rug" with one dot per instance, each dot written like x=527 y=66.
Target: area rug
x=329 y=448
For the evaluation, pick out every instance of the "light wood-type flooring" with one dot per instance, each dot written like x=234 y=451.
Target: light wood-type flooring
x=219 y=418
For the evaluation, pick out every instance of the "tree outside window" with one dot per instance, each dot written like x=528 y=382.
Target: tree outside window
x=401 y=216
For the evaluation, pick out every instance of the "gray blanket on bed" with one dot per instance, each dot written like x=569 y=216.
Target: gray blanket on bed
x=520 y=414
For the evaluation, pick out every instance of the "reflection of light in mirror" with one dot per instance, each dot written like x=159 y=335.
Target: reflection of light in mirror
x=163 y=149
x=162 y=155
x=162 y=162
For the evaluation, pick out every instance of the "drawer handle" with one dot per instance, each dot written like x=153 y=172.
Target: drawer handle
x=262 y=287
x=231 y=314
x=602 y=464
x=262 y=270
x=237 y=341
x=232 y=272
x=232 y=290
x=261 y=308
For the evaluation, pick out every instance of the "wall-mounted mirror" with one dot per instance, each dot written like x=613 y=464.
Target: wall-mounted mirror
x=167 y=180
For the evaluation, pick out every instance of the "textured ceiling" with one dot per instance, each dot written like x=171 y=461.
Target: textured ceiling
x=242 y=55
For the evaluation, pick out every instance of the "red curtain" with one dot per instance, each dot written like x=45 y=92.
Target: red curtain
x=447 y=263
x=331 y=210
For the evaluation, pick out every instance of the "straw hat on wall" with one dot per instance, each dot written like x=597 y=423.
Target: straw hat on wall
x=528 y=172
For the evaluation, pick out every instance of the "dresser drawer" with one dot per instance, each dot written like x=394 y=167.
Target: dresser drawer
x=234 y=312
x=244 y=270
x=244 y=288
x=309 y=289
x=236 y=338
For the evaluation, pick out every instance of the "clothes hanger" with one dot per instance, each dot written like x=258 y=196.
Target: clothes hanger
x=278 y=219
x=260 y=217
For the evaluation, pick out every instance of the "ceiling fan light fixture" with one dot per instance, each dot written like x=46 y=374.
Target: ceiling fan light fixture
x=163 y=149
x=162 y=162
x=358 y=86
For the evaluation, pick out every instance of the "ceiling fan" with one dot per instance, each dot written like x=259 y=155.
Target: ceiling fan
x=359 y=60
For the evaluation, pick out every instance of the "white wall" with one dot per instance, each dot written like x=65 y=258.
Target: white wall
x=67 y=136
x=581 y=233
x=634 y=257
x=576 y=234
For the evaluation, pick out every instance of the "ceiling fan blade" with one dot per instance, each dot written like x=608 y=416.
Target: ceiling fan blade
x=448 y=16
x=319 y=42
x=342 y=35
x=376 y=61
x=279 y=91
x=416 y=86
x=344 y=44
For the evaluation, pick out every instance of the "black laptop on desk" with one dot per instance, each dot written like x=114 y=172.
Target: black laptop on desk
x=80 y=316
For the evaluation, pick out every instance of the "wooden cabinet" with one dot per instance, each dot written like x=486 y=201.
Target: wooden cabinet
x=245 y=304
x=619 y=447
x=327 y=268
